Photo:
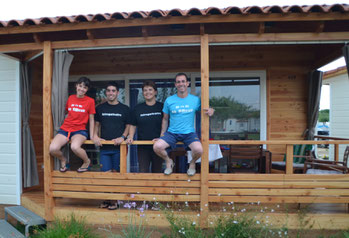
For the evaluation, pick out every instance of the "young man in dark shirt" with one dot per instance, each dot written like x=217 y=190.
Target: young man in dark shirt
x=112 y=119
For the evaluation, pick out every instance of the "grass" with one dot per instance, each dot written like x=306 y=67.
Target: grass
x=67 y=228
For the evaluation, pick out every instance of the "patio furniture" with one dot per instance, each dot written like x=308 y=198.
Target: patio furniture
x=317 y=166
x=241 y=156
x=300 y=154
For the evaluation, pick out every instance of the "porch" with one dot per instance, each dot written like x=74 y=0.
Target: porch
x=279 y=199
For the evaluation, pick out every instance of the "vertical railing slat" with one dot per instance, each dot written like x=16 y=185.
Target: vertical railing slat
x=47 y=130
x=289 y=159
x=204 y=130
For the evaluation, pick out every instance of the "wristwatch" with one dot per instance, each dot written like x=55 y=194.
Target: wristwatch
x=123 y=137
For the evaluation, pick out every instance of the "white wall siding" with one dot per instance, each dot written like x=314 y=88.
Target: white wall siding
x=339 y=110
x=10 y=133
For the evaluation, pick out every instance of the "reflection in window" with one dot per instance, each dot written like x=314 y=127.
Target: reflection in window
x=237 y=108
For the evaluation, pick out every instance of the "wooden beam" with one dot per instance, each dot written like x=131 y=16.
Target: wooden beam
x=20 y=47
x=191 y=39
x=123 y=158
x=145 y=31
x=320 y=27
x=204 y=50
x=37 y=38
x=202 y=29
x=316 y=16
x=90 y=35
x=289 y=159
x=261 y=28
x=336 y=152
x=130 y=41
x=279 y=37
x=47 y=130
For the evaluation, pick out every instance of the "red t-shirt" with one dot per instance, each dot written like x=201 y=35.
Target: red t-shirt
x=78 y=110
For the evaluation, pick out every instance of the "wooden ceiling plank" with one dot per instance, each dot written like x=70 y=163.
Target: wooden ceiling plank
x=332 y=16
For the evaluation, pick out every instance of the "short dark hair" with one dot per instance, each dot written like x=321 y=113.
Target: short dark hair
x=182 y=74
x=114 y=84
x=149 y=83
x=86 y=81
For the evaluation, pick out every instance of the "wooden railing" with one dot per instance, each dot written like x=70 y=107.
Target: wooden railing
x=266 y=188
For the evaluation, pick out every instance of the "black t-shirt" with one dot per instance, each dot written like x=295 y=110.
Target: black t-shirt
x=148 y=120
x=113 y=120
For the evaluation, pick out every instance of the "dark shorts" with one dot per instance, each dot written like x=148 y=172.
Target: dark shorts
x=172 y=138
x=109 y=160
x=73 y=133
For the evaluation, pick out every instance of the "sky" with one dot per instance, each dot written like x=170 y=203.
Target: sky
x=23 y=9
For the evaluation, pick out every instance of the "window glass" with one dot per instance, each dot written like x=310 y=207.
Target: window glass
x=237 y=108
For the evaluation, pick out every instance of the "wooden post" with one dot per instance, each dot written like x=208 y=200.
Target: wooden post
x=123 y=158
x=47 y=130
x=204 y=130
x=289 y=159
x=336 y=152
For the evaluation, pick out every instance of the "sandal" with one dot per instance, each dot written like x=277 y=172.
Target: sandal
x=81 y=169
x=105 y=204
x=113 y=206
x=64 y=169
x=169 y=170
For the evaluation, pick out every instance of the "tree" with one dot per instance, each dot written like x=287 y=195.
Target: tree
x=324 y=115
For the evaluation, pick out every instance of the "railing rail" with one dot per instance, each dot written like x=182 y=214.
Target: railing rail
x=266 y=188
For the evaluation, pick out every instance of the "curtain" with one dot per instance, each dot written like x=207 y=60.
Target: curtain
x=30 y=169
x=315 y=83
x=133 y=148
x=346 y=56
x=61 y=64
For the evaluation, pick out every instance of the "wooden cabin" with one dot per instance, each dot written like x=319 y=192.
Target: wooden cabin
x=257 y=57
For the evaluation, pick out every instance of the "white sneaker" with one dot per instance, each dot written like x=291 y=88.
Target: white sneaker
x=191 y=172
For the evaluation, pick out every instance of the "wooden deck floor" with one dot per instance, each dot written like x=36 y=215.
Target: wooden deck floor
x=313 y=216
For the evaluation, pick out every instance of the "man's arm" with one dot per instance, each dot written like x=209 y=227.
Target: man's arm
x=131 y=134
x=164 y=124
x=122 y=138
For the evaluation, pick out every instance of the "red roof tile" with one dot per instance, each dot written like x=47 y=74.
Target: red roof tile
x=179 y=12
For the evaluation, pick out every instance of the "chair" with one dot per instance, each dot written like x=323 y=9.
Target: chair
x=317 y=166
x=238 y=153
x=300 y=154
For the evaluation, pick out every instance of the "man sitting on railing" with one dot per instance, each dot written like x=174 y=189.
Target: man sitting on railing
x=113 y=118
x=180 y=109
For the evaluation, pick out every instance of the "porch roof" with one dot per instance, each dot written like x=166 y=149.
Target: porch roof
x=251 y=10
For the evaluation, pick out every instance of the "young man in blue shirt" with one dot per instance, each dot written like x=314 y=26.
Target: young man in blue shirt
x=179 y=110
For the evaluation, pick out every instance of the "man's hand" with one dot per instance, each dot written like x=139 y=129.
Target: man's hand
x=129 y=141
x=209 y=111
x=118 y=141
x=97 y=141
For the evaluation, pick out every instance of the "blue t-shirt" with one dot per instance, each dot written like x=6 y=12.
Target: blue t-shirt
x=182 y=113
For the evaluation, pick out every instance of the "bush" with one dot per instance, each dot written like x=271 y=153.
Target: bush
x=70 y=228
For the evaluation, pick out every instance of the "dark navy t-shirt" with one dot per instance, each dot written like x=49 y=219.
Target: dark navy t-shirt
x=113 y=120
x=148 y=120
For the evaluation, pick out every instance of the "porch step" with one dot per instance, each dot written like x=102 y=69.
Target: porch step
x=7 y=230
x=26 y=217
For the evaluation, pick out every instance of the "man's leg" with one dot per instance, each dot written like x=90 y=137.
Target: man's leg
x=105 y=160
x=115 y=160
x=196 y=149
x=160 y=149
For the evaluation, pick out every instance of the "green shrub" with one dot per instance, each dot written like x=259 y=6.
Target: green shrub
x=67 y=228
